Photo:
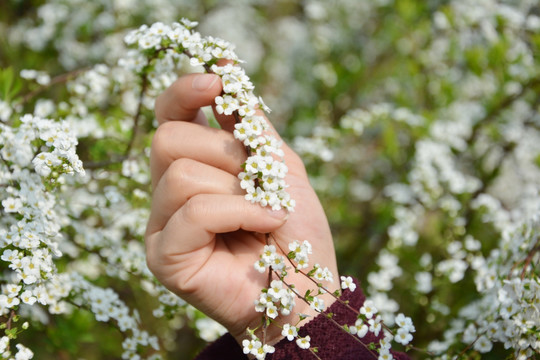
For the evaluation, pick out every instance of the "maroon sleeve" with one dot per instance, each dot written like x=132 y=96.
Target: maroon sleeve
x=332 y=343
x=224 y=348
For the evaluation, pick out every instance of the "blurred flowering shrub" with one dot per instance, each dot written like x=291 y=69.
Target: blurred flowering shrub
x=418 y=122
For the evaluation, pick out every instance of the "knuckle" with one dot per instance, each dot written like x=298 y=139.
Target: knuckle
x=181 y=173
x=195 y=209
x=162 y=139
x=167 y=137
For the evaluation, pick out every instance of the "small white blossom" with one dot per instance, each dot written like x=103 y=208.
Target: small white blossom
x=359 y=329
x=368 y=309
x=303 y=342
x=289 y=331
x=347 y=282
x=403 y=336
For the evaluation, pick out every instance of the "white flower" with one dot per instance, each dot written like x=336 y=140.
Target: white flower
x=278 y=263
x=271 y=311
x=301 y=261
x=5 y=110
x=268 y=349
x=323 y=274
x=317 y=304
x=250 y=345
x=347 y=283
x=23 y=353
x=260 y=265
x=226 y=104
x=287 y=300
x=269 y=253
x=8 y=302
x=265 y=298
x=12 y=205
x=276 y=290
x=375 y=325
x=386 y=341
x=12 y=290
x=403 y=336
x=384 y=354
x=405 y=322
x=303 y=342
x=359 y=328
x=289 y=331
x=368 y=309
x=483 y=344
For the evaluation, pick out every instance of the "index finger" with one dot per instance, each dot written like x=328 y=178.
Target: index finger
x=182 y=101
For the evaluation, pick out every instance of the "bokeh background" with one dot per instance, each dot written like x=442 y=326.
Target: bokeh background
x=418 y=122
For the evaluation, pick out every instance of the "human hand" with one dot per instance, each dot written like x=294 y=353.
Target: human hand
x=203 y=237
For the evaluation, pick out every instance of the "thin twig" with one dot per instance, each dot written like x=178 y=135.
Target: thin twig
x=269 y=280
x=137 y=115
x=12 y=315
x=319 y=285
x=468 y=347
x=346 y=304
x=314 y=353
x=320 y=312
x=91 y=165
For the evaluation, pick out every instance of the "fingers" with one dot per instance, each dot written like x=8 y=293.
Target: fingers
x=184 y=98
x=195 y=224
x=175 y=140
x=182 y=180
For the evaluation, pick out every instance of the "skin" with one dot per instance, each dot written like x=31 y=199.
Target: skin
x=203 y=237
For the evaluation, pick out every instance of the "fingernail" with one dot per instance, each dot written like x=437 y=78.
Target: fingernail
x=204 y=81
x=279 y=214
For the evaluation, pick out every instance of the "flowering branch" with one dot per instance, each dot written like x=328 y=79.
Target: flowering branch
x=329 y=317
x=264 y=171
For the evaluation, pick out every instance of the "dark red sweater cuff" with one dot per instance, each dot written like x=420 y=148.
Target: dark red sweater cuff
x=332 y=343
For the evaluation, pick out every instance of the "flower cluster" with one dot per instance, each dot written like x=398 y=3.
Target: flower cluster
x=31 y=236
x=106 y=306
x=23 y=353
x=279 y=299
x=31 y=225
x=445 y=101
x=507 y=311
x=276 y=299
x=264 y=172
x=256 y=348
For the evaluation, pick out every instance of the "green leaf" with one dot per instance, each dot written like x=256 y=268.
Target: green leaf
x=10 y=84
x=11 y=333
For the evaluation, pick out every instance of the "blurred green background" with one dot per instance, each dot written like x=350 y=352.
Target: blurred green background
x=313 y=62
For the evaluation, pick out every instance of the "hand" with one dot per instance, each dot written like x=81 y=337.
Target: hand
x=203 y=237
